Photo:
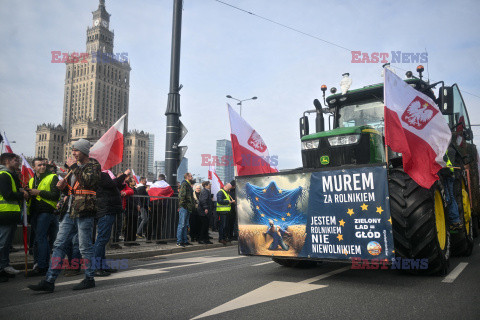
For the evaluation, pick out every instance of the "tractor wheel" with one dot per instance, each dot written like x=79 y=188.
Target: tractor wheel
x=293 y=263
x=462 y=240
x=420 y=228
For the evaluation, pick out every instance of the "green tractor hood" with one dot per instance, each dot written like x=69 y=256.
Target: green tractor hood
x=340 y=132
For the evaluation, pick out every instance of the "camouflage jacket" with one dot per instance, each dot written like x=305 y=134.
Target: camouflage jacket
x=88 y=176
x=185 y=196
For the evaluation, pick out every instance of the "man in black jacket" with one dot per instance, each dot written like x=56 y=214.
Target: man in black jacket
x=109 y=204
x=224 y=206
x=11 y=198
x=142 y=206
x=44 y=196
x=205 y=207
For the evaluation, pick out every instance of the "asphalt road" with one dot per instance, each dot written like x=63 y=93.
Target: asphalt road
x=220 y=284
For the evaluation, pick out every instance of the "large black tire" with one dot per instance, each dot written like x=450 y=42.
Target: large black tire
x=462 y=240
x=294 y=263
x=417 y=232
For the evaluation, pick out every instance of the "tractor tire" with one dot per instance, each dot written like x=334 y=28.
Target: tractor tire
x=420 y=227
x=462 y=240
x=294 y=263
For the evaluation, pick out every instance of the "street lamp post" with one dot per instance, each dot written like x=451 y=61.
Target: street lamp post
x=240 y=101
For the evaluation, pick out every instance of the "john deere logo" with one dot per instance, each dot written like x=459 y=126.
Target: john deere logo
x=324 y=160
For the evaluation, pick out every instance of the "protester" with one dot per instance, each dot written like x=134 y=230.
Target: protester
x=194 y=217
x=129 y=204
x=448 y=179
x=204 y=211
x=160 y=207
x=11 y=199
x=187 y=205
x=142 y=206
x=83 y=181
x=44 y=196
x=232 y=233
x=109 y=205
x=224 y=205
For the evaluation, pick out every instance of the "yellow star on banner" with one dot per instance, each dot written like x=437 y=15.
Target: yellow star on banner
x=340 y=237
x=262 y=215
x=264 y=190
x=288 y=214
x=283 y=219
x=289 y=205
x=280 y=191
x=342 y=223
x=256 y=198
x=257 y=207
x=275 y=220
x=364 y=207
x=390 y=220
x=380 y=210
x=350 y=212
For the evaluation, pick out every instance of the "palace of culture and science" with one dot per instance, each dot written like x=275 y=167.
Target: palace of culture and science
x=96 y=96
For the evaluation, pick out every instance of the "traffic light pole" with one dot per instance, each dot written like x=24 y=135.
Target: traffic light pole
x=173 y=107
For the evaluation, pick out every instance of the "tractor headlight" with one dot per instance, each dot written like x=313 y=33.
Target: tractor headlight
x=344 y=140
x=311 y=144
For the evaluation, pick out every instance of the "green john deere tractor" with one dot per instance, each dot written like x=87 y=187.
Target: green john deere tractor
x=419 y=216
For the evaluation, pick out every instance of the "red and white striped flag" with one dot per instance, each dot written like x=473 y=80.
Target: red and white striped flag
x=27 y=171
x=215 y=181
x=160 y=189
x=249 y=150
x=415 y=127
x=8 y=148
x=135 y=177
x=108 y=150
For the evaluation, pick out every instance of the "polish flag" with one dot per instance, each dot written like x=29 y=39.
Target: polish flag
x=27 y=171
x=160 y=189
x=215 y=181
x=108 y=150
x=135 y=177
x=8 y=149
x=415 y=127
x=249 y=151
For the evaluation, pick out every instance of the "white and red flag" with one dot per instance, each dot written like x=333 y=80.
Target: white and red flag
x=8 y=148
x=415 y=127
x=250 y=152
x=27 y=171
x=215 y=181
x=160 y=189
x=135 y=177
x=108 y=150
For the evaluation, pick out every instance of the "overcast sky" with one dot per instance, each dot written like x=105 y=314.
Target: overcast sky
x=226 y=51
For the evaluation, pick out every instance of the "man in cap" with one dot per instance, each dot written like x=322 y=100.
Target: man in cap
x=83 y=180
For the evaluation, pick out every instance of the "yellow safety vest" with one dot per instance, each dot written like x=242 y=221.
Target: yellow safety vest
x=45 y=186
x=449 y=163
x=224 y=207
x=9 y=206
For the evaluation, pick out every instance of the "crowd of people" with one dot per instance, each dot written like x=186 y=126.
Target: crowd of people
x=78 y=215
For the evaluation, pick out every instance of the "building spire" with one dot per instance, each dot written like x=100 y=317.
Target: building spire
x=102 y=3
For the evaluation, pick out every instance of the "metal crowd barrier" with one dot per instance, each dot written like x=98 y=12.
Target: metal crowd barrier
x=152 y=218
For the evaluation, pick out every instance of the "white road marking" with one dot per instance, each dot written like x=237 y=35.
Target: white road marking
x=145 y=272
x=261 y=264
x=271 y=291
x=455 y=272
x=194 y=260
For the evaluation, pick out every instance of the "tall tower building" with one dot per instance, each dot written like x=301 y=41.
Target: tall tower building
x=182 y=169
x=96 y=95
x=151 y=149
x=224 y=149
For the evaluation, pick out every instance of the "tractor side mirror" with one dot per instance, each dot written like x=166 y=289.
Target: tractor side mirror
x=304 y=130
x=445 y=98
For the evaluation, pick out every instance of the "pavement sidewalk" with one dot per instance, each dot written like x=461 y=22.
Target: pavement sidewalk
x=17 y=259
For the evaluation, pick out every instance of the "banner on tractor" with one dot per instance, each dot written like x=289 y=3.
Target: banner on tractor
x=325 y=214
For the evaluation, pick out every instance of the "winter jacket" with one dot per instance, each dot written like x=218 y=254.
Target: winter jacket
x=205 y=202
x=39 y=206
x=88 y=177
x=185 y=196
x=109 y=200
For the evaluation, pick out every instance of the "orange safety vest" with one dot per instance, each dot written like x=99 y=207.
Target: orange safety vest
x=75 y=190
